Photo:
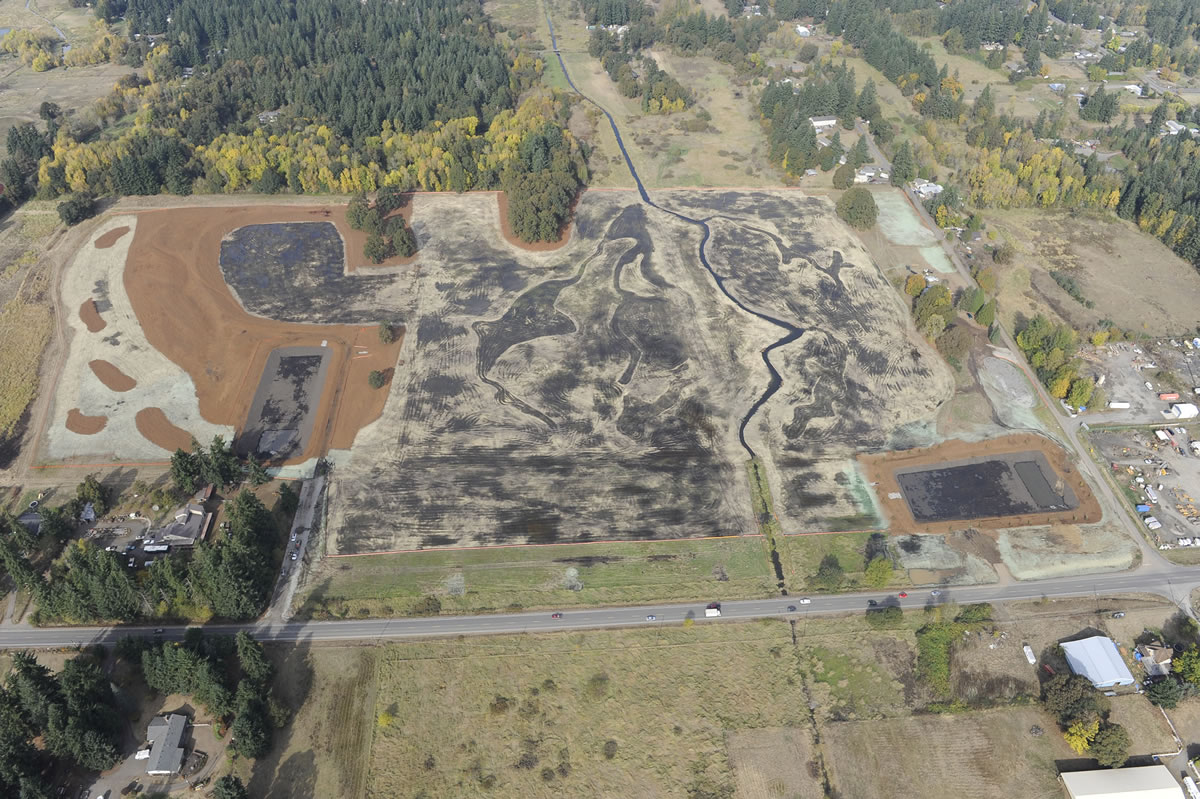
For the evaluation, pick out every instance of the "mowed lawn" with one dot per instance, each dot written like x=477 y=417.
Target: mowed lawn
x=615 y=713
x=540 y=577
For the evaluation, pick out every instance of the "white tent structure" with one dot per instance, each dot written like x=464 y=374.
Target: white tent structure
x=1097 y=659
x=1143 y=782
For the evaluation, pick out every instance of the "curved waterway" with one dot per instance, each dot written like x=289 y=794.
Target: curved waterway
x=792 y=332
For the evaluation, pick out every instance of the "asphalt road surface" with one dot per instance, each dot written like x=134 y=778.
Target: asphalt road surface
x=1172 y=582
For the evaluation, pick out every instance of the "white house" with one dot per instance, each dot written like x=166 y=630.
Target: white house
x=823 y=123
x=803 y=31
x=1174 y=128
x=1139 y=782
x=1133 y=89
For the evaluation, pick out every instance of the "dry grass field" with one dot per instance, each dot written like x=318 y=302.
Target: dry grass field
x=775 y=763
x=1130 y=277
x=534 y=717
x=324 y=750
x=968 y=756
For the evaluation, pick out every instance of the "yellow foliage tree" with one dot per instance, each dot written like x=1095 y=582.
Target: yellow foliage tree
x=1081 y=733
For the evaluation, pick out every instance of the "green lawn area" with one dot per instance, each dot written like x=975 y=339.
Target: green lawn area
x=537 y=577
x=802 y=554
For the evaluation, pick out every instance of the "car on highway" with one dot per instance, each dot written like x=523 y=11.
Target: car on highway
x=791 y=608
x=131 y=563
x=295 y=555
x=871 y=603
x=805 y=600
x=158 y=631
x=903 y=594
x=935 y=593
x=293 y=536
x=651 y=617
x=556 y=615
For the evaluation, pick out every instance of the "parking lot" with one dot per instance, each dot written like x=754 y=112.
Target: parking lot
x=1159 y=470
x=123 y=535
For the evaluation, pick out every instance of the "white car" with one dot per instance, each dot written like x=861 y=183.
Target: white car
x=295 y=555
x=804 y=601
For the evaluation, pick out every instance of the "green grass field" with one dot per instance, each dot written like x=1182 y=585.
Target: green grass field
x=537 y=577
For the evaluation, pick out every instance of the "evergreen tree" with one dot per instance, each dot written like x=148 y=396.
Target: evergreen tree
x=904 y=165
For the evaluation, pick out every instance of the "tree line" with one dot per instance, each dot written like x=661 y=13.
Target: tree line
x=660 y=92
x=72 y=715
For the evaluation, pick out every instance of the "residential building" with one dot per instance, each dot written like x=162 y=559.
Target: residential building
x=165 y=735
x=803 y=31
x=823 y=123
x=1155 y=658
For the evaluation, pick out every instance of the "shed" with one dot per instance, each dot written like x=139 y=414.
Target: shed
x=1155 y=658
x=1097 y=659
x=1141 y=782
x=1184 y=410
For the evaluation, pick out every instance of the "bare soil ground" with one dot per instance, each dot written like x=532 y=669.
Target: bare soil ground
x=111 y=376
x=85 y=425
x=881 y=471
x=174 y=254
x=969 y=756
x=1132 y=278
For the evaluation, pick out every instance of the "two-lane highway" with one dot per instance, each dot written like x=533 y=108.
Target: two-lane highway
x=1173 y=583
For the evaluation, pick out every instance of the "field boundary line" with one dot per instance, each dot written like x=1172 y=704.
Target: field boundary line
x=534 y=546
x=98 y=465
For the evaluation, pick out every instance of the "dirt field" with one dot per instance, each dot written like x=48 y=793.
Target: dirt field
x=557 y=396
x=881 y=470
x=968 y=756
x=133 y=308
x=1132 y=278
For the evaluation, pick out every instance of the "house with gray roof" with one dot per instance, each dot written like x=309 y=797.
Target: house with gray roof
x=165 y=735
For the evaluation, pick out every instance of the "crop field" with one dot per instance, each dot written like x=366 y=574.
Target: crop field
x=597 y=392
x=499 y=578
x=1128 y=276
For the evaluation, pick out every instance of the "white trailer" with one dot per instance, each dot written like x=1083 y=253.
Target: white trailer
x=1118 y=405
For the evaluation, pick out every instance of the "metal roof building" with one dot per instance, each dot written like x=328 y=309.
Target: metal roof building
x=1097 y=659
x=1143 y=782
x=165 y=734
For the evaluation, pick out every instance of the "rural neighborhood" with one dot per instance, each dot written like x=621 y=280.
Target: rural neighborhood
x=541 y=398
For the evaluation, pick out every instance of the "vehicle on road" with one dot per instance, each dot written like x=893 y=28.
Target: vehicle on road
x=903 y=594
x=293 y=536
x=791 y=608
x=713 y=609
x=1120 y=614
x=650 y=617
x=805 y=600
x=158 y=631
x=871 y=603
x=131 y=563
x=556 y=615
x=935 y=593
x=295 y=555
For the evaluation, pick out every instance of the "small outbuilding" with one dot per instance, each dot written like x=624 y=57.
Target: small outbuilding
x=1098 y=659
x=1141 y=782
x=1184 y=410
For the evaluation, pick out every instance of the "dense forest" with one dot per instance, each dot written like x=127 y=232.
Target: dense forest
x=315 y=96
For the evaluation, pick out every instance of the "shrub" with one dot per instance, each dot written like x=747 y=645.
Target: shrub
x=914 y=285
x=77 y=208
x=1166 y=693
x=883 y=618
x=878 y=572
x=376 y=379
x=1111 y=746
x=387 y=333
x=610 y=749
x=857 y=208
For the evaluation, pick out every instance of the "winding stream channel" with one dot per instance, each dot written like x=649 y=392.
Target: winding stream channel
x=792 y=332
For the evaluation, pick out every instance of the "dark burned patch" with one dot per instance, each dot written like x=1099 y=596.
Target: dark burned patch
x=530 y=525
x=434 y=329
x=587 y=561
x=911 y=544
x=433 y=541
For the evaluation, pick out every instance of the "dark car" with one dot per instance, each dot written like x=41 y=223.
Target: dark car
x=791 y=608
x=556 y=615
x=871 y=603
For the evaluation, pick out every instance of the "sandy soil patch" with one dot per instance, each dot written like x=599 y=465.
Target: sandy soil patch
x=111 y=376
x=881 y=471
x=111 y=237
x=1040 y=553
x=91 y=317
x=175 y=254
x=775 y=762
x=154 y=425
x=85 y=425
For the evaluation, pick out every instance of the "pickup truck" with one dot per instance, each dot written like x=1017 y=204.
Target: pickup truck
x=713 y=609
